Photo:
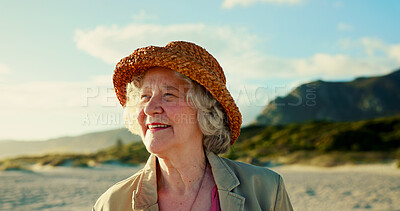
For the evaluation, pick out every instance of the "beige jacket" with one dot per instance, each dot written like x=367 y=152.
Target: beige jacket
x=240 y=187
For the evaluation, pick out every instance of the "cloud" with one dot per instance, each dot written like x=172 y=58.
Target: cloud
x=394 y=52
x=227 y=44
x=326 y=66
x=112 y=43
x=344 y=27
x=233 y=3
x=374 y=45
x=373 y=57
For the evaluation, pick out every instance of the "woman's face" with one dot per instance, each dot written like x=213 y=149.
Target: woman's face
x=168 y=124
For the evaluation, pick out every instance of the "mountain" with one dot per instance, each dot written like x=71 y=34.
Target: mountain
x=87 y=143
x=362 y=98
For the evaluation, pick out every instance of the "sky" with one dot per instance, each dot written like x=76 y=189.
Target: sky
x=57 y=57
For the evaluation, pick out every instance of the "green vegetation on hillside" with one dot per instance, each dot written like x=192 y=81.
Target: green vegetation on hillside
x=330 y=143
x=132 y=153
x=9 y=165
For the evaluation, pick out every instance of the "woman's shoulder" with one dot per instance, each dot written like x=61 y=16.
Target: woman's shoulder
x=249 y=167
x=246 y=170
x=262 y=187
x=119 y=192
x=126 y=183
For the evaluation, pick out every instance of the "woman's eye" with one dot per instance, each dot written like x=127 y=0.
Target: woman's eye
x=169 y=94
x=143 y=97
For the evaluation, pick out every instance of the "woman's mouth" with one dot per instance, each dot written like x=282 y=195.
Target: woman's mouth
x=157 y=126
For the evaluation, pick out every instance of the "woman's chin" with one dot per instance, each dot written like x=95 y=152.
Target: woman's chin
x=156 y=146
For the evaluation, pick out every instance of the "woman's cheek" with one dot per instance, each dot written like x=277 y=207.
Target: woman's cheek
x=141 y=119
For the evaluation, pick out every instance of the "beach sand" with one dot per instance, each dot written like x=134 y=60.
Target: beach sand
x=356 y=187
x=361 y=187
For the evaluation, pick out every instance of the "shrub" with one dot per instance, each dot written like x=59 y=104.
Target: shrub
x=80 y=163
x=9 y=165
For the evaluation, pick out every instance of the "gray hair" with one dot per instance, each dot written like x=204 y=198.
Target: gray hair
x=210 y=114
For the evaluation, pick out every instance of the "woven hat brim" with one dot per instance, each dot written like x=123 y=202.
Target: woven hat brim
x=185 y=63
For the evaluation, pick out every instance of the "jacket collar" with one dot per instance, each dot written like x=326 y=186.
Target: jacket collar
x=145 y=195
x=223 y=175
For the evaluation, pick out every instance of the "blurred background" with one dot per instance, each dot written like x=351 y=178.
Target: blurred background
x=317 y=82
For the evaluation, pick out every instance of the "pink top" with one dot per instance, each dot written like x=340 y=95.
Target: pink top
x=215 y=200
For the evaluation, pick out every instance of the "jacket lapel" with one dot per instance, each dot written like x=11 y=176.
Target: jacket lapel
x=230 y=201
x=145 y=195
x=226 y=181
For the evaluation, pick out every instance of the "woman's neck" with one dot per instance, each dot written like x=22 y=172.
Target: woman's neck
x=181 y=173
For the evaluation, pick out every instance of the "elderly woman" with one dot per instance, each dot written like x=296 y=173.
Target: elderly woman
x=175 y=97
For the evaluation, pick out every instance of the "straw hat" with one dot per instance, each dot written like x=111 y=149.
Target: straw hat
x=188 y=59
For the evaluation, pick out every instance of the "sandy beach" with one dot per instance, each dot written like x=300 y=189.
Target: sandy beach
x=361 y=187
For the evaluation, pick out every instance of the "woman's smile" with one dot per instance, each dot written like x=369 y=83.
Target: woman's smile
x=157 y=126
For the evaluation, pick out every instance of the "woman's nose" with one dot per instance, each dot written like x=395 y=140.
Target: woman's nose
x=153 y=106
